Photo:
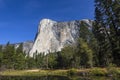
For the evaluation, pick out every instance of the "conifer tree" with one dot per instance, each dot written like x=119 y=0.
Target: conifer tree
x=8 y=56
x=86 y=33
x=1 y=56
x=85 y=54
x=19 y=58
x=107 y=15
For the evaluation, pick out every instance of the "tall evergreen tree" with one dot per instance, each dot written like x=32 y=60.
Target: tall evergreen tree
x=19 y=58
x=107 y=15
x=86 y=33
x=39 y=59
x=52 y=60
x=8 y=56
x=67 y=55
x=85 y=54
x=1 y=56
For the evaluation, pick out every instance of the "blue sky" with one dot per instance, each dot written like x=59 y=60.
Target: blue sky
x=19 y=19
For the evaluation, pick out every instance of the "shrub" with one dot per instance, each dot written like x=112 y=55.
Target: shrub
x=113 y=70
x=71 y=72
x=98 y=72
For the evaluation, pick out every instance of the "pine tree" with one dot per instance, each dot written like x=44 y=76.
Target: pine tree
x=1 y=56
x=52 y=60
x=107 y=15
x=19 y=58
x=8 y=56
x=86 y=33
x=67 y=56
x=39 y=59
x=85 y=54
x=115 y=29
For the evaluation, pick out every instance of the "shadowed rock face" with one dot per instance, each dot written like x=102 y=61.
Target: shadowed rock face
x=53 y=36
x=27 y=46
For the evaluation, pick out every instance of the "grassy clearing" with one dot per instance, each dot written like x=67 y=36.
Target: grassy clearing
x=69 y=72
x=35 y=72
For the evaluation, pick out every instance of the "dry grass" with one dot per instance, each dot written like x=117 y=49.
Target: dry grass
x=39 y=72
x=35 y=72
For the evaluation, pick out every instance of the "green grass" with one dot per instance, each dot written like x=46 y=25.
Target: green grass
x=69 y=72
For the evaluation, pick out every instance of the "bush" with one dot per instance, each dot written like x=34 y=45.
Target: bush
x=98 y=72
x=71 y=72
x=113 y=70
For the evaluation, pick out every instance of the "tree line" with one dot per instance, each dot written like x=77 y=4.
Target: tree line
x=75 y=55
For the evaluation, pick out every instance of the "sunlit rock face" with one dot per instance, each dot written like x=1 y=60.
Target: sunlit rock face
x=53 y=36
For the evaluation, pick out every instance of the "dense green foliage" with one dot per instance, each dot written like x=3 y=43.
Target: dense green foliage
x=12 y=58
x=107 y=31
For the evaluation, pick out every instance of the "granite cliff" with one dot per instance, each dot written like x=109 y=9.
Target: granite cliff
x=53 y=36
